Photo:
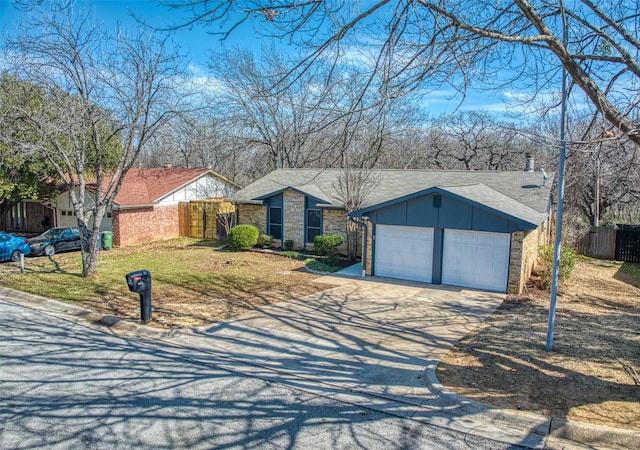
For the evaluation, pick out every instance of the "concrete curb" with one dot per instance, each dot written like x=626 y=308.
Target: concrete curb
x=560 y=433
x=594 y=435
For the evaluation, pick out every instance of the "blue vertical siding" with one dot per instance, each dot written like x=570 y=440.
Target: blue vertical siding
x=453 y=213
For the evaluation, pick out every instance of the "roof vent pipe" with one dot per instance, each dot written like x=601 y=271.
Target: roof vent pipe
x=530 y=164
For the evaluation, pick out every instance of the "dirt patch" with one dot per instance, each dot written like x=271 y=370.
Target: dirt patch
x=591 y=374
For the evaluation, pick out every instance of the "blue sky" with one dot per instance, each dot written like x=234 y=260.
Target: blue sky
x=198 y=43
x=120 y=13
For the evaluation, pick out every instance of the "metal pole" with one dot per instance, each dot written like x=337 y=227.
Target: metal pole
x=561 y=170
x=21 y=262
x=596 y=220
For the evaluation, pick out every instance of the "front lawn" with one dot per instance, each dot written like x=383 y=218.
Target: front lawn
x=593 y=373
x=193 y=282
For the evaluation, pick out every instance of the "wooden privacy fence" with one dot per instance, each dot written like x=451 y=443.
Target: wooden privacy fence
x=206 y=219
x=611 y=243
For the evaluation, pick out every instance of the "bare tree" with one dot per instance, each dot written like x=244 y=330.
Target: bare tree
x=370 y=125
x=284 y=120
x=603 y=175
x=313 y=119
x=429 y=44
x=107 y=96
x=477 y=141
x=226 y=218
x=354 y=187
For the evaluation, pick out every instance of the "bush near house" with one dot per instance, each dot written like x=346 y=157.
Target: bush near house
x=326 y=243
x=243 y=237
x=266 y=241
x=545 y=269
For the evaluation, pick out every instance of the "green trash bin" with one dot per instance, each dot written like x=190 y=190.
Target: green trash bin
x=107 y=240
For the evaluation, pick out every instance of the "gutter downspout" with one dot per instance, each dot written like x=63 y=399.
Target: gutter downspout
x=364 y=246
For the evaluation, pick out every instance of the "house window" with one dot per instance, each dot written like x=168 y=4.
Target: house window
x=314 y=224
x=275 y=222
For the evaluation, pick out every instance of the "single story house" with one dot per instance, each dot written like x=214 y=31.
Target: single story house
x=146 y=207
x=476 y=229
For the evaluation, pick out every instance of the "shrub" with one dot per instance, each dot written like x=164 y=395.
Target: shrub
x=288 y=245
x=266 y=241
x=325 y=244
x=565 y=267
x=318 y=266
x=333 y=258
x=243 y=237
x=293 y=255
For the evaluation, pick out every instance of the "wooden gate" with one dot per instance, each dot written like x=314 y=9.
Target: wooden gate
x=207 y=219
x=628 y=245
x=184 y=219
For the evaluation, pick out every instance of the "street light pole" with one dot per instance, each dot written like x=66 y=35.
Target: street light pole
x=561 y=170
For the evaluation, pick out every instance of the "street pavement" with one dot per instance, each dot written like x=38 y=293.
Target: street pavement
x=66 y=386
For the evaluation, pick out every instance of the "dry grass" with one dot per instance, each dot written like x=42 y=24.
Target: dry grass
x=589 y=375
x=193 y=283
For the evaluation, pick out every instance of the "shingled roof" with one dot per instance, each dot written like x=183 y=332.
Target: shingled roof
x=522 y=195
x=148 y=186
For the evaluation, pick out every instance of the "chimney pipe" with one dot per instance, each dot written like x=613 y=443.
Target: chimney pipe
x=530 y=164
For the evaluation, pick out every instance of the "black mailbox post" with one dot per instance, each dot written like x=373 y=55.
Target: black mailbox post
x=140 y=282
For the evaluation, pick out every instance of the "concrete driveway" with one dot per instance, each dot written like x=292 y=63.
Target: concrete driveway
x=373 y=342
x=374 y=335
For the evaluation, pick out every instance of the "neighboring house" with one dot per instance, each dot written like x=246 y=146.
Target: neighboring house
x=477 y=229
x=146 y=207
x=30 y=216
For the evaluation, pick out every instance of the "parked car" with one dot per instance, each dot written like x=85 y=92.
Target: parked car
x=12 y=246
x=55 y=240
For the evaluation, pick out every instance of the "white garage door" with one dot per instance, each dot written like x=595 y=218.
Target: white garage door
x=404 y=252
x=476 y=259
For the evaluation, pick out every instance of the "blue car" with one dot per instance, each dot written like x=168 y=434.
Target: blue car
x=11 y=247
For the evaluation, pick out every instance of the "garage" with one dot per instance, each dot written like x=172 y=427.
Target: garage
x=404 y=252
x=476 y=259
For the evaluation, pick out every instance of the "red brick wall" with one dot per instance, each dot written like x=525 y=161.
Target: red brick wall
x=137 y=226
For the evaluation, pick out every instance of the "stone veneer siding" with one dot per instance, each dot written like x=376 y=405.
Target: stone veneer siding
x=255 y=215
x=368 y=266
x=140 y=225
x=524 y=255
x=334 y=221
x=293 y=218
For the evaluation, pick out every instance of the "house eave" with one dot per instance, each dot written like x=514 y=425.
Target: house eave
x=187 y=183
x=292 y=188
x=522 y=223
x=246 y=202
x=141 y=205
